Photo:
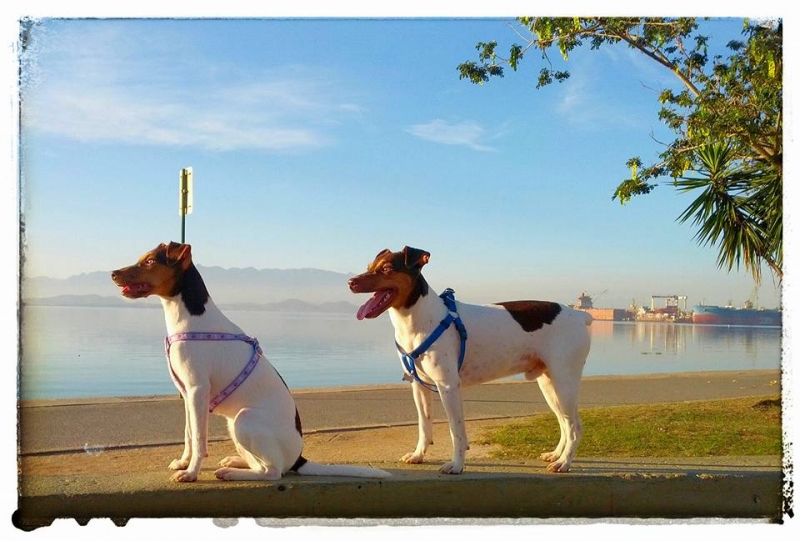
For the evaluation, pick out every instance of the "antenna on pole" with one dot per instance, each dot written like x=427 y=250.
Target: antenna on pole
x=185 y=199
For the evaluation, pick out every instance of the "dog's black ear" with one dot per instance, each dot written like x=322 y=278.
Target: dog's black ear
x=415 y=258
x=179 y=254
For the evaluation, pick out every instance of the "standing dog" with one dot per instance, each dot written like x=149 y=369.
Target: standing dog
x=545 y=341
x=209 y=356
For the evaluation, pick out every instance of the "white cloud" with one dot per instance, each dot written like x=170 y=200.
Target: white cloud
x=466 y=133
x=574 y=99
x=582 y=103
x=106 y=88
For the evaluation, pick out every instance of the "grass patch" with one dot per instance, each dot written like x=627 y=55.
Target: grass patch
x=731 y=427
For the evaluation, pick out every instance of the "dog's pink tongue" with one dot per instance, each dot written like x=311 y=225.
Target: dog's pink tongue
x=369 y=306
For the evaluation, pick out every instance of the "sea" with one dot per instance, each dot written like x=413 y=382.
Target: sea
x=86 y=352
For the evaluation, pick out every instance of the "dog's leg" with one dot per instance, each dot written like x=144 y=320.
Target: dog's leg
x=235 y=461
x=183 y=462
x=453 y=407
x=197 y=401
x=259 y=450
x=239 y=474
x=247 y=467
x=562 y=397
x=422 y=400
x=550 y=397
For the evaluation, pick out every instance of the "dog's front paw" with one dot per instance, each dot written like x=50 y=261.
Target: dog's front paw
x=412 y=458
x=184 y=476
x=179 y=464
x=451 y=468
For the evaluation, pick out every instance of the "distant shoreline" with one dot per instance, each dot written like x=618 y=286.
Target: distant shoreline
x=100 y=301
x=285 y=306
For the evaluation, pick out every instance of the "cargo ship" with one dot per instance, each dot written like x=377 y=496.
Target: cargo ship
x=728 y=315
x=586 y=304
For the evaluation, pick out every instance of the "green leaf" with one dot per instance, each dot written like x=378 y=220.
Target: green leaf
x=726 y=119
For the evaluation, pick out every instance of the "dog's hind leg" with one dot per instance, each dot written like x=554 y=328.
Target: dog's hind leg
x=238 y=474
x=235 y=461
x=562 y=397
x=261 y=453
x=422 y=400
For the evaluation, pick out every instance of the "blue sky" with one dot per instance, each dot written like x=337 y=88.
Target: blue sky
x=317 y=143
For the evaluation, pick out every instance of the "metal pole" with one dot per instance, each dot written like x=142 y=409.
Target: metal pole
x=185 y=199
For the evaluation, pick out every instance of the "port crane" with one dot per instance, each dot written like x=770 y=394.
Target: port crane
x=672 y=300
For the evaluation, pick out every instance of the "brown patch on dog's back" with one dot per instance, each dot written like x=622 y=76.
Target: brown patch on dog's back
x=532 y=315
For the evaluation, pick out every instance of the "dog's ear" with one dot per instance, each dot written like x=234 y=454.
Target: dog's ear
x=415 y=258
x=179 y=254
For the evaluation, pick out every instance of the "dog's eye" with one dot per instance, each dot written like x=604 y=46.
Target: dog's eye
x=386 y=269
x=149 y=262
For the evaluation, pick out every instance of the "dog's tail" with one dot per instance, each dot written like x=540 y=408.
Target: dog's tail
x=315 y=468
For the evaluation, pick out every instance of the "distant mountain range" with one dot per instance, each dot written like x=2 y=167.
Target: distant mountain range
x=295 y=290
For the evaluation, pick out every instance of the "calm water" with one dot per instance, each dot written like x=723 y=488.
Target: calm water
x=71 y=352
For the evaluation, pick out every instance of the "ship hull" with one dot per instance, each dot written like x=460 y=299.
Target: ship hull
x=718 y=315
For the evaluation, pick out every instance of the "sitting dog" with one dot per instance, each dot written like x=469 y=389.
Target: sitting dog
x=450 y=344
x=219 y=369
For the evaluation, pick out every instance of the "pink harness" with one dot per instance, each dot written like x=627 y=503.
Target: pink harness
x=205 y=336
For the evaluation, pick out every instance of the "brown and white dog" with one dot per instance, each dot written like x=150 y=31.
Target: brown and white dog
x=545 y=341
x=209 y=358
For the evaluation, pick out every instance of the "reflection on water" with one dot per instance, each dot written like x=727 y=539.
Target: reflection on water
x=641 y=347
x=86 y=352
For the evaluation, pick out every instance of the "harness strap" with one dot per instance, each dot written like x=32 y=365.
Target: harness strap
x=203 y=336
x=452 y=317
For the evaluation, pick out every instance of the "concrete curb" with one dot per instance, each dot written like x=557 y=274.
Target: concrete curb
x=730 y=487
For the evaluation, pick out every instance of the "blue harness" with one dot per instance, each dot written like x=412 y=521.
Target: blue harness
x=408 y=359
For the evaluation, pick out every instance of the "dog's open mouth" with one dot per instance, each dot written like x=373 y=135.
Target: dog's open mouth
x=377 y=304
x=136 y=290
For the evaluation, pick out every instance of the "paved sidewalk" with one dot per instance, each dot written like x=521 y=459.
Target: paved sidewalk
x=106 y=458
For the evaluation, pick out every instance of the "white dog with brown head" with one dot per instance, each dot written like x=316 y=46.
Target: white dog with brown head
x=546 y=341
x=218 y=369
